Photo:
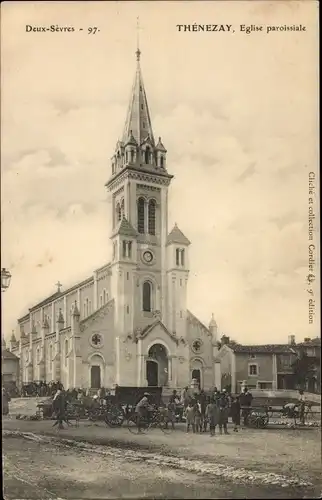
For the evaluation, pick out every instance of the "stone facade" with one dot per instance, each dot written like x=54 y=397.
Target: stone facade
x=128 y=324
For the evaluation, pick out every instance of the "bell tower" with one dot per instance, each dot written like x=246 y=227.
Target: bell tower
x=138 y=186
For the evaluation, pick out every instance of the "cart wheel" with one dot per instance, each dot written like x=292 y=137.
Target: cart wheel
x=114 y=418
x=132 y=424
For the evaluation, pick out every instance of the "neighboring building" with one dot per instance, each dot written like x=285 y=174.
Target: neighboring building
x=261 y=366
x=128 y=323
x=9 y=367
x=312 y=349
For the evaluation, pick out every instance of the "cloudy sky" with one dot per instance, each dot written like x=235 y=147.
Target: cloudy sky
x=237 y=114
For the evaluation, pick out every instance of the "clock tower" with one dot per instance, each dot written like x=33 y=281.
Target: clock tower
x=138 y=185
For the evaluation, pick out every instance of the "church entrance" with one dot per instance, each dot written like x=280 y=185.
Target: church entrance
x=95 y=377
x=152 y=373
x=157 y=366
x=196 y=374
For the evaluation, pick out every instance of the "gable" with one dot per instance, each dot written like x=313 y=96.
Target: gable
x=156 y=331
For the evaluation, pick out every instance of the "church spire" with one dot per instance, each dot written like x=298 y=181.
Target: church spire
x=138 y=121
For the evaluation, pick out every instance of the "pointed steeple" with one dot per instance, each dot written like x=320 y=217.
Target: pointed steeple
x=125 y=228
x=138 y=121
x=177 y=236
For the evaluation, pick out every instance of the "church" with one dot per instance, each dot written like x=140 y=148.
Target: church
x=128 y=323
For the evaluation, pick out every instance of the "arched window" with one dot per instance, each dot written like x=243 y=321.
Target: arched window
x=90 y=307
x=161 y=161
x=147 y=296
x=38 y=354
x=104 y=296
x=177 y=257
x=147 y=155
x=132 y=155
x=151 y=211
x=118 y=213
x=141 y=204
x=122 y=209
x=86 y=307
x=101 y=300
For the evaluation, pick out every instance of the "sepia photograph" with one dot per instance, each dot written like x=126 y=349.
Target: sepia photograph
x=160 y=250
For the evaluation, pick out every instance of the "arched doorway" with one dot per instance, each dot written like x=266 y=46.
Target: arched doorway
x=157 y=366
x=152 y=373
x=196 y=374
x=96 y=372
x=197 y=371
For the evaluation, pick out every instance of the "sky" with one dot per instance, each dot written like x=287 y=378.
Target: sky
x=237 y=113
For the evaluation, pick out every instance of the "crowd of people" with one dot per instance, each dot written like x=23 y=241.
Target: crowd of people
x=201 y=410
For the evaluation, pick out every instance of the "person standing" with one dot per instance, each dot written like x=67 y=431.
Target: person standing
x=5 y=401
x=223 y=412
x=235 y=412
x=185 y=396
x=59 y=407
x=190 y=417
x=246 y=399
x=212 y=416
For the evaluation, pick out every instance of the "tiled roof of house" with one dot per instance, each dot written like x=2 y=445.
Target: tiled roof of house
x=312 y=342
x=262 y=349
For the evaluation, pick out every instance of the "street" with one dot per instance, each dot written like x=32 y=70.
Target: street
x=94 y=461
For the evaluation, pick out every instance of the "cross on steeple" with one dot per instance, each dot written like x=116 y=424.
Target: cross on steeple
x=59 y=285
x=138 y=52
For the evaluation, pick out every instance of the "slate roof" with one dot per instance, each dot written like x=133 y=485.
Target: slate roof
x=125 y=228
x=262 y=349
x=177 y=236
x=5 y=354
x=160 y=146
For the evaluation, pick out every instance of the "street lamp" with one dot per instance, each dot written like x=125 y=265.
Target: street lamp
x=5 y=279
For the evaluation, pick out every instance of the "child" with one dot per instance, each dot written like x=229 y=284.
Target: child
x=235 y=412
x=190 y=417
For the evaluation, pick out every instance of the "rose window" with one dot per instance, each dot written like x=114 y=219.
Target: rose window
x=196 y=346
x=97 y=340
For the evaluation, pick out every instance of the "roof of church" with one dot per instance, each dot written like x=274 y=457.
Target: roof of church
x=138 y=121
x=191 y=318
x=125 y=228
x=160 y=146
x=177 y=236
x=5 y=354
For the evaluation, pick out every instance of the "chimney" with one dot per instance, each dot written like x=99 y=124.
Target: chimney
x=225 y=340
x=307 y=339
x=291 y=339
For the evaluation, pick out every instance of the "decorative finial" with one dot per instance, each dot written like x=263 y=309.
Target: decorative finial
x=138 y=52
x=59 y=285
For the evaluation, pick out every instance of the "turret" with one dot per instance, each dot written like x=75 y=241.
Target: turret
x=178 y=272
x=160 y=154
x=59 y=323
x=213 y=328
x=75 y=320
x=13 y=341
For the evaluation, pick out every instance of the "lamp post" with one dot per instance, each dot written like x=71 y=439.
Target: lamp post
x=5 y=279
